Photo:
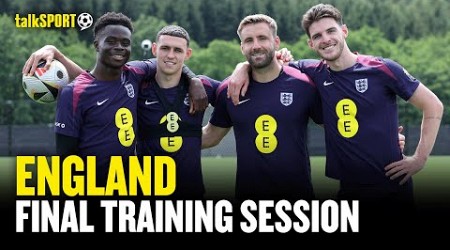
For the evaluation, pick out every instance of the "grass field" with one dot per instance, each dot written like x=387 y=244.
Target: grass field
x=219 y=174
x=433 y=181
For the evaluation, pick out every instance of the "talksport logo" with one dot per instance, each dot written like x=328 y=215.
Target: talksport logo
x=83 y=20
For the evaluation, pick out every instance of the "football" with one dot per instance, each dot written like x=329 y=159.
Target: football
x=44 y=85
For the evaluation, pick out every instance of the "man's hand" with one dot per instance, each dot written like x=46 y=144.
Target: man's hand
x=46 y=53
x=198 y=97
x=239 y=82
x=407 y=167
x=404 y=168
x=284 y=56
x=401 y=138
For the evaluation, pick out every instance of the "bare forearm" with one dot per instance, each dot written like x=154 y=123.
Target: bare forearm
x=207 y=139
x=429 y=129
x=432 y=110
x=212 y=135
x=72 y=68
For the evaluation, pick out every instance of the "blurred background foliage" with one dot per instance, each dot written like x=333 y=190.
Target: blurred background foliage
x=415 y=33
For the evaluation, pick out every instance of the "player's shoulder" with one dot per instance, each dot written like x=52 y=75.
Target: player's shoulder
x=208 y=81
x=308 y=63
x=82 y=79
x=134 y=67
x=372 y=60
x=80 y=84
x=386 y=65
x=297 y=74
x=140 y=67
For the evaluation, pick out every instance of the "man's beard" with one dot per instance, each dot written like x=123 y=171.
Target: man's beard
x=264 y=63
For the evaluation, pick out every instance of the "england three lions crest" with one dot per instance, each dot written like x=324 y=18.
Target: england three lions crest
x=286 y=98
x=130 y=89
x=362 y=85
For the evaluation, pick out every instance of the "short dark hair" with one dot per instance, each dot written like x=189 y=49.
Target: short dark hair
x=174 y=30
x=318 y=12
x=112 y=18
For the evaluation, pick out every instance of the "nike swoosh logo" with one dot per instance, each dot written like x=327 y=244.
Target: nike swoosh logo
x=99 y=103
x=150 y=103
x=243 y=101
x=327 y=83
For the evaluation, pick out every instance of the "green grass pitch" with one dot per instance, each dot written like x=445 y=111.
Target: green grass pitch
x=430 y=181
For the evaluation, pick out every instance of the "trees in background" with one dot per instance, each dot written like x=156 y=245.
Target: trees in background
x=413 y=32
x=210 y=20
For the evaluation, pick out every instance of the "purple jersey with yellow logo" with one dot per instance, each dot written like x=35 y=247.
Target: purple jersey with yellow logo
x=360 y=116
x=166 y=128
x=102 y=114
x=270 y=128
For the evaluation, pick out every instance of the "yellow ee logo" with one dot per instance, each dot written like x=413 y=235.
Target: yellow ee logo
x=124 y=122
x=347 y=124
x=265 y=127
x=173 y=143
